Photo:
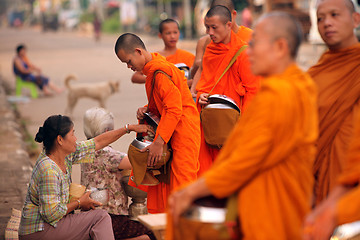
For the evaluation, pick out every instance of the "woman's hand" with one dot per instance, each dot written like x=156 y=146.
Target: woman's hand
x=86 y=203
x=155 y=151
x=140 y=113
x=203 y=98
x=141 y=128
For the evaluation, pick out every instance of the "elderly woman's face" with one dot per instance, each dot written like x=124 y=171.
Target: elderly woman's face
x=69 y=143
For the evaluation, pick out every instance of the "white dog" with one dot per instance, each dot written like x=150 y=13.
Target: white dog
x=99 y=91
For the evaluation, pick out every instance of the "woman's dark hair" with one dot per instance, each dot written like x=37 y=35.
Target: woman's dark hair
x=53 y=126
x=19 y=47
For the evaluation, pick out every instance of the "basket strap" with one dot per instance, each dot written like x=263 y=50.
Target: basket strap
x=230 y=64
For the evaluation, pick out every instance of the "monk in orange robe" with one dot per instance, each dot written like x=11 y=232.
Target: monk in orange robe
x=169 y=32
x=337 y=78
x=238 y=82
x=242 y=32
x=343 y=203
x=179 y=123
x=267 y=159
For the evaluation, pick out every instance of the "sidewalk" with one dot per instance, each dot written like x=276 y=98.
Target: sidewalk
x=15 y=167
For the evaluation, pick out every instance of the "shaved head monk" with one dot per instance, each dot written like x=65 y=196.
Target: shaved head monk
x=169 y=32
x=243 y=33
x=268 y=157
x=238 y=83
x=170 y=99
x=337 y=76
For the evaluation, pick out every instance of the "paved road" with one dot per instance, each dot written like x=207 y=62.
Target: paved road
x=63 y=53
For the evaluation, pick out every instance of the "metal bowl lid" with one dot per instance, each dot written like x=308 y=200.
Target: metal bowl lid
x=219 y=106
x=347 y=231
x=182 y=65
x=140 y=144
x=218 y=98
x=152 y=119
x=207 y=210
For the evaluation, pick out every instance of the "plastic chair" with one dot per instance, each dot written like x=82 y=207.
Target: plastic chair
x=20 y=84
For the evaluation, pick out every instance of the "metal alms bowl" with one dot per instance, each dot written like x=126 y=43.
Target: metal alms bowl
x=222 y=99
x=207 y=210
x=152 y=119
x=140 y=144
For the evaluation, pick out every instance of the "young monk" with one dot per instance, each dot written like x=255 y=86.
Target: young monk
x=169 y=32
x=243 y=32
x=342 y=205
x=268 y=157
x=337 y=78
x=238 y=83
x=179 y=124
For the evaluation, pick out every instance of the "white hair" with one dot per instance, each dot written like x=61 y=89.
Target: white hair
x=97 y=121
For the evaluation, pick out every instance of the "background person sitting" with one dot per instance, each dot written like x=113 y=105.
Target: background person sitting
x=105 y=172
x=29 y=72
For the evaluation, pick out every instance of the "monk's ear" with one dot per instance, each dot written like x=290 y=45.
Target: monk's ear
x=282 y=47
x=228 y=24
x=356 y=19
x=138 y=50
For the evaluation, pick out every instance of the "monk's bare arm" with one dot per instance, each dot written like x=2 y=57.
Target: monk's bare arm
x=138 y=77
x=321 y=222
x=197 y=66
x=200 y=49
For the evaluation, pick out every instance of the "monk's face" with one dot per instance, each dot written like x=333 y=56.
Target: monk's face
x=336 y=23
x=218 y=31
x=262 y=50
x=135 y=60
x=170 y=34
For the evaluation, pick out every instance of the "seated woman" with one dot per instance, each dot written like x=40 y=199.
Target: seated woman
x=105 y=172
x=29 y=72
x=46 y=212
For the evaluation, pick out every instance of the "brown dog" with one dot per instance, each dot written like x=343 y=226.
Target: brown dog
x=99 y=91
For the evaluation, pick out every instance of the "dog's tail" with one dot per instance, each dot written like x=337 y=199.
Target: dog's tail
x=68 y=79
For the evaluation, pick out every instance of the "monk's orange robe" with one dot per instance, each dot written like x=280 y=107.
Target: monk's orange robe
x=267 y=160
x=179 y=124
x=337 y=75
x=244 y=33
x=348 y=207
x=237 y=83
x=182 y=56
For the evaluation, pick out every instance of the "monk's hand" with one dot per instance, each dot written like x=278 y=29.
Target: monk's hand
x=140 y=113
x=203 y=98
x=320 y=224
x=86 y=203
x=155 y=151
x=178 y=202
x=141 y=128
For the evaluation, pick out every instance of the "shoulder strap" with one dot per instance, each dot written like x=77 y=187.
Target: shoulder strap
x=153 y=84
x=230 y=64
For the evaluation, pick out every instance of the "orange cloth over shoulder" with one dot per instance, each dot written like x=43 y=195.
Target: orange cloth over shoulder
x=337 y=75
x=348 y=207
x=238 y=82
x=244 y=33
x=182 y=56
x=268 y=158
x=179 y=125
